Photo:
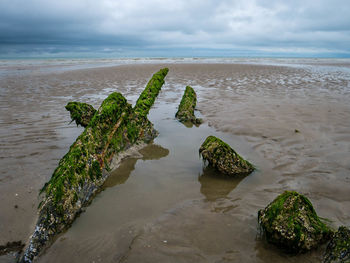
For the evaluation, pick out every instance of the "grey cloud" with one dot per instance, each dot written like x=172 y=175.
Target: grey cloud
x=321 y=26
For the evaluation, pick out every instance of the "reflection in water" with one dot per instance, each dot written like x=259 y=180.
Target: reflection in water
x=215 y=185
x=122 y=173
x=265 y=250
x=189 y=124
x=153 y=152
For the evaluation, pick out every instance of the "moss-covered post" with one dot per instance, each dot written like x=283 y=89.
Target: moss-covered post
x=291 y=223
x=150 y=93
x=80 y=112
x=338 y=249
x=114 y=127
x=223 y=158
x=187 y=105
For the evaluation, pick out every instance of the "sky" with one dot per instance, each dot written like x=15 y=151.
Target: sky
x=163 y=28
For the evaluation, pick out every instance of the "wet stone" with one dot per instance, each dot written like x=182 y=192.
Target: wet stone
x=291 y=223
x=223 y=158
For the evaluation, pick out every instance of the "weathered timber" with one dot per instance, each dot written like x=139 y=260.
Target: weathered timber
x=338 y=249
x=291 y=223
x=80 y=112
x=187 y=105
x=223 y=158
x=114 y=128
x=148 y=96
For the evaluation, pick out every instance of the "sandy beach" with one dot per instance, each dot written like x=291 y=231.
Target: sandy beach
x=289 y=119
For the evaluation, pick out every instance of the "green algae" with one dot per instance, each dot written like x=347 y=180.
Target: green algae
x=147 y=97
x=187 y=105
x=338 y=249
x=222 y=157
x=290 y=222
x=80 y=112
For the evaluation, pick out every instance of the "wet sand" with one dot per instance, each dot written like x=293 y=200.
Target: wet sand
x=164 y=206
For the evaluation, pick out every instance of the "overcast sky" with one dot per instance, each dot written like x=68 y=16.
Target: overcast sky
x=176 y=27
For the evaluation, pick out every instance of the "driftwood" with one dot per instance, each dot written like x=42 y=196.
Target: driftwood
x=112 y=129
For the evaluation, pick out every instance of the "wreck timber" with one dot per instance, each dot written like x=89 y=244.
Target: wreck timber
x=223 y=158
x=291 y=223
x=338 y=249
x=187 y=105
x=114 y=128
x=80 y=112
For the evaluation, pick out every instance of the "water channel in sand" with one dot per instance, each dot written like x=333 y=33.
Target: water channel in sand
x=163 y=205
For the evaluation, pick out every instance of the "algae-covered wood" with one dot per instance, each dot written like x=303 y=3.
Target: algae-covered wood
x=338 y=249
x=80 y=112
x=290 y=222
x=114 y=127
x=148 y=96
x=187 y=105
x=222 y=157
